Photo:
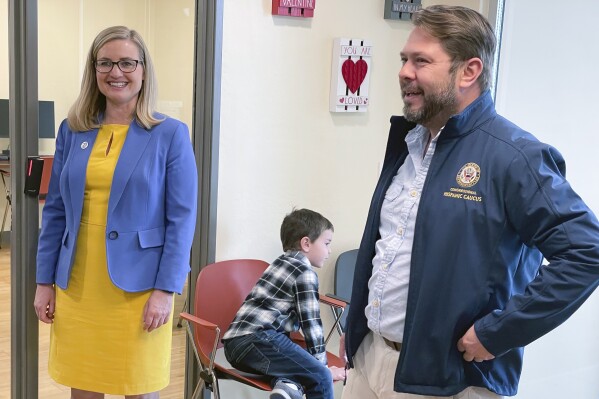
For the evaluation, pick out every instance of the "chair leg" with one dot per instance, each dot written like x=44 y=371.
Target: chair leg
x=197 y=393
x=207 y=380
x=184 y=309
x=4 y=221
x=337 y=313
x=337 y=320
x=204 y=391
x=216 y=388
x=3 y=174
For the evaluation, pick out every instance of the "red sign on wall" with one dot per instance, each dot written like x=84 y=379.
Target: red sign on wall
x=350 y=75
x=294 y=8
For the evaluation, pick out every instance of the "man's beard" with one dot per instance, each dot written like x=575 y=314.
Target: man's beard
x=441 y=102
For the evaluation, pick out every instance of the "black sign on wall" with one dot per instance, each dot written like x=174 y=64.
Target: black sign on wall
x=401 y=9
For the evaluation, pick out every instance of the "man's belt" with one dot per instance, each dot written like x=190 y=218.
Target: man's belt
x=393 y=345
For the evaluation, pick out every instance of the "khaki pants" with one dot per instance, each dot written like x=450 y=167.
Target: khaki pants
x=374 y=371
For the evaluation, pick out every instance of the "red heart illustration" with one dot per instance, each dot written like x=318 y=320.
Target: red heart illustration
x=354 y=73
x=342 y=100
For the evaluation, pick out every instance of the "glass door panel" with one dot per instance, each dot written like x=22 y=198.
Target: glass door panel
x=167 y=27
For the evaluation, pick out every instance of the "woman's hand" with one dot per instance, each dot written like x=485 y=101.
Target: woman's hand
x=157 y=310
x=338 y=373
x=45 y=302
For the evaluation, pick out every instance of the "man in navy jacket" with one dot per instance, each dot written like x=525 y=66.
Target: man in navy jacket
x=449 y=285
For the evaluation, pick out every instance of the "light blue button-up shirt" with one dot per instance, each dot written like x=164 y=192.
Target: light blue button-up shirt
x=388 y=285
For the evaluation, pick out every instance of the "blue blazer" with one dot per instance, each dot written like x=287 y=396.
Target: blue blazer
x=151 y=210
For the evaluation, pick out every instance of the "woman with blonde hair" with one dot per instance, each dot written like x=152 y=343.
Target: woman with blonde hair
x=117 y=228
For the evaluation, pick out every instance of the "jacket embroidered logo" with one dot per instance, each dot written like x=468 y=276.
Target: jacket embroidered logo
x=468 y=175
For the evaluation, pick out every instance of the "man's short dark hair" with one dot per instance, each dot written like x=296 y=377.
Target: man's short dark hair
x=302 y=223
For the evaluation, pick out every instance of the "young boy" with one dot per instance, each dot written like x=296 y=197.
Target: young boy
x=284 y=299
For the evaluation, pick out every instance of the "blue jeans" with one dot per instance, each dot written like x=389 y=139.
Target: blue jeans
x=273 y=354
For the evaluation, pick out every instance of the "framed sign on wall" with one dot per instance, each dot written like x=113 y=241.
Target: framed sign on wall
x=401 y=9
x=350 y=75
x=294 y=8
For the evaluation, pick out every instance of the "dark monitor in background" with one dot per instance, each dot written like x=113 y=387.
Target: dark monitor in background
x=46 y=128
x=46 y=119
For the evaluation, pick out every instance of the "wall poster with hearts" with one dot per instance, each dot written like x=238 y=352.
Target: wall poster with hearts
x=350 y=75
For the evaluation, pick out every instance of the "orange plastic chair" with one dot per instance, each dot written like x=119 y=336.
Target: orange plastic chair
x=221 y=288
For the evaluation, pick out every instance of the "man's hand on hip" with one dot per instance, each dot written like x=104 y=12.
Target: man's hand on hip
x=472 y=349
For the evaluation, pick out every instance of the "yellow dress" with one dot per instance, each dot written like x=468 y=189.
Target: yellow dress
x=97 y=341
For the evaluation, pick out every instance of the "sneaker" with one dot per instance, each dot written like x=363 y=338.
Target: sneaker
x=286 y=390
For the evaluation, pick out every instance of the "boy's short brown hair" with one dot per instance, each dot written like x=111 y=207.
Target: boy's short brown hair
x=302 y=223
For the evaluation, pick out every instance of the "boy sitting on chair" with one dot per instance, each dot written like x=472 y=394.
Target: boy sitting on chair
x=284 y=299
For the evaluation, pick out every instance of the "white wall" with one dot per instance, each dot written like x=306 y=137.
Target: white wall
x=548 y=85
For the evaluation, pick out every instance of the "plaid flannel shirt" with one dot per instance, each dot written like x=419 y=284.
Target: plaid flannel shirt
x=285 y=298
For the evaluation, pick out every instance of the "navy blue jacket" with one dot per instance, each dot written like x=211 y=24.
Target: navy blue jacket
x=494 y=203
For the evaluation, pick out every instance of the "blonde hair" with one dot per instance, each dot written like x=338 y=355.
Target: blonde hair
x=86 y=112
